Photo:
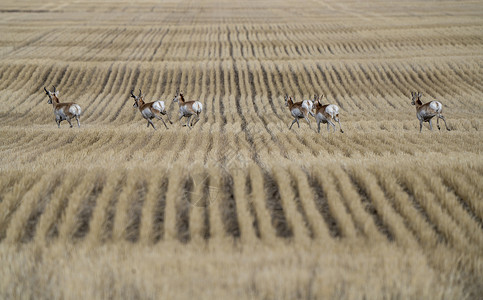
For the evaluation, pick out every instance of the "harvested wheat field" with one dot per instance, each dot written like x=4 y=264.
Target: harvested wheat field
x=240 y=206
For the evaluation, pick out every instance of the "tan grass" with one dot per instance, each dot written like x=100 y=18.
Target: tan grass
x=240 y=206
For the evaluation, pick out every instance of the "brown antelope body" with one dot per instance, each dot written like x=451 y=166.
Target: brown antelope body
x=63 y=111
x=426 y=111
x=188 y=109
x=327 y=113
x=298 y=111
x=150 y=110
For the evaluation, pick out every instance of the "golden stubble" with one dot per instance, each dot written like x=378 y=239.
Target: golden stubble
x=239 y=206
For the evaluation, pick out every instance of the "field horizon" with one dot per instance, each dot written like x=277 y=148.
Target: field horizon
x=240 y=206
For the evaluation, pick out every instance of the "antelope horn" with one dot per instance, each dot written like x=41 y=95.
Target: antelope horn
x=132 y=94
x=140 y=94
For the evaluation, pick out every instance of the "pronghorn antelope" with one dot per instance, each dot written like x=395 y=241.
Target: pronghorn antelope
x=297 y=110
x=63 y=111
x=188 y=108
x=326 y=114
x=150 y=110
x=425 y=112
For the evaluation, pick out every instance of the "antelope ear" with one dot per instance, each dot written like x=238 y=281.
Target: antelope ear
x=57 y=93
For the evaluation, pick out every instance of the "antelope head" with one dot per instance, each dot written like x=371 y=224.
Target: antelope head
x=176 y=97
x=137 y=99
x=317 y=105
x=287 y=99
x=318 y=97
x=415 y=97
x=52 y=95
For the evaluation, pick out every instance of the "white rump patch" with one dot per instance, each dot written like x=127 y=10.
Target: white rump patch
x=436 y=106
x=75 y=109
x=308 y=104
x=332 y=110
x=197 y=106
x=159 y=106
